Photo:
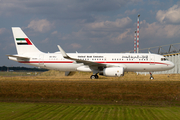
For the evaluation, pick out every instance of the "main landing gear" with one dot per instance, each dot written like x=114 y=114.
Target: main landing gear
x=151 y=77
x=94 y=76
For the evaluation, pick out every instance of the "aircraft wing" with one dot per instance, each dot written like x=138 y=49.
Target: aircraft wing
x=18 y=56
x=85 y=62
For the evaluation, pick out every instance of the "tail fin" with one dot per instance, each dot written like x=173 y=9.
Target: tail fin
x=22 y=42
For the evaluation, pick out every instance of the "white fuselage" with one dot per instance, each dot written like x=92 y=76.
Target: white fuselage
x=135 y=62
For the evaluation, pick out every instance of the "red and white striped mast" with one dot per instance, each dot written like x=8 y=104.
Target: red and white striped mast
x=138 y=34
x=135 y=42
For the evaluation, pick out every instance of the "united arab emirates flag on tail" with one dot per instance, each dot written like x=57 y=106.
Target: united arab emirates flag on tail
x=23 y=41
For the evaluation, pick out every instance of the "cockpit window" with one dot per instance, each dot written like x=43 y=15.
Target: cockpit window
x=164 y=59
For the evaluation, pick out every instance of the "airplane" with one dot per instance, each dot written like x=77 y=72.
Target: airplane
x=105 y=64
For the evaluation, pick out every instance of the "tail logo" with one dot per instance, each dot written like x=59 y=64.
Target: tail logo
x=23 y=41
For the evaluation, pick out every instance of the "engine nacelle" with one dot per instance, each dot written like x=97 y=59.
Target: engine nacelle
x=112 y=72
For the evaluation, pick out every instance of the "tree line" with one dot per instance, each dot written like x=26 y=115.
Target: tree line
x=5 y=68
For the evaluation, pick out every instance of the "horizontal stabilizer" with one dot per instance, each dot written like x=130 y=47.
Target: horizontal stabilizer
x=18 y=56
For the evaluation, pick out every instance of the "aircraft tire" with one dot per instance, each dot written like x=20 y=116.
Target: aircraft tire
x=93 y=77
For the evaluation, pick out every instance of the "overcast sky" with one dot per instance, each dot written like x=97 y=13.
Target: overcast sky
x=88 y=25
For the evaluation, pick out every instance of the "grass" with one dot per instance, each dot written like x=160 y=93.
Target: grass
x=130 y=89
x=83 y=76
x=51 y=95
x=51 y=111
x=9 y=74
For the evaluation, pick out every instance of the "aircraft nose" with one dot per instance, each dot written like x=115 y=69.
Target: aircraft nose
x=171 y=65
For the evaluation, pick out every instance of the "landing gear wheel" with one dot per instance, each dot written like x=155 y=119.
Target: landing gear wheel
x=94 y=77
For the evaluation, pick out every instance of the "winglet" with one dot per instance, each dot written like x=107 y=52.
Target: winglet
x=63 y=52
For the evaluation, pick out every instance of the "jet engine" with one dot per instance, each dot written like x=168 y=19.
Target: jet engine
x=112 y=72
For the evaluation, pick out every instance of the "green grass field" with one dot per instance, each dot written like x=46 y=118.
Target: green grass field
x=50 y=111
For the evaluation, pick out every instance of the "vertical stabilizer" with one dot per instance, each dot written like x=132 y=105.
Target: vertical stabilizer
x=22 y=42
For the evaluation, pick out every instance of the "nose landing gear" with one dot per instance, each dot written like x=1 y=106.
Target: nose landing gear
x=151 y=77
